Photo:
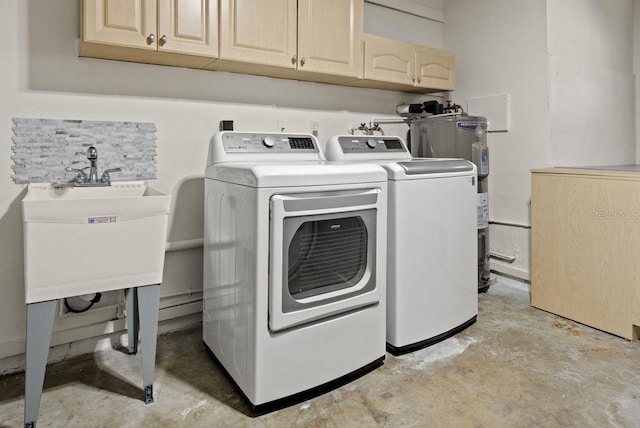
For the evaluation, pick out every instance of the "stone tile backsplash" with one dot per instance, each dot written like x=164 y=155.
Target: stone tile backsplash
x=43 y=148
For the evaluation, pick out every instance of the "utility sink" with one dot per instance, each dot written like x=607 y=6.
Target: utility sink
x=80 y=240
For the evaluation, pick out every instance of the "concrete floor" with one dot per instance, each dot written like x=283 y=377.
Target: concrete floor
x=516 y=367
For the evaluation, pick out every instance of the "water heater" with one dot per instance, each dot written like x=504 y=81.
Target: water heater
x=460 y=136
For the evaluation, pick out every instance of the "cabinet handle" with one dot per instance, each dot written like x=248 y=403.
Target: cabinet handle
x=163 y=40
x=413 y=79
x=151 y=39
x=294 y=59
x=302 y=62
x=419 y=79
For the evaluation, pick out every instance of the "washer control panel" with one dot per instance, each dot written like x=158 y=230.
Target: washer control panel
x=247 y=142
x=370 y=143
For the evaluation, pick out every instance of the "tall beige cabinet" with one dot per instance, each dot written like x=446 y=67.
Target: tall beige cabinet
x=273 y=36
x=158 y=31
x=585 y=246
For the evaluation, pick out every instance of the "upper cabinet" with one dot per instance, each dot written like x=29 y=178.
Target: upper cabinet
x=172 y=32
x=276 y=37
x=188 y=27
x=314 y=40
x=120 y=22
x=259 y=31
x=329 y=34
x=392 y=64
x=435 y=69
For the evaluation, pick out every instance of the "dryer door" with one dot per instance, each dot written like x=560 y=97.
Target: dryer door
x=323 y=255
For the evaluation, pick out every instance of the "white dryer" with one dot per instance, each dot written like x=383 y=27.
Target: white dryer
x=294 y=266
x=432 y=290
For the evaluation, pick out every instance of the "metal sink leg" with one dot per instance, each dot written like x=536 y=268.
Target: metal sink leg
x=148 y=306
x=39 y=326
x=133 y=324
x=142 y=305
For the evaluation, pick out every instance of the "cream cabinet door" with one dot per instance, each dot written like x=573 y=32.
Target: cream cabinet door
x=329 y=36
x=259 y=31
x=188 y=27
x=120 y=22
x=388 y=60
x=435 y=69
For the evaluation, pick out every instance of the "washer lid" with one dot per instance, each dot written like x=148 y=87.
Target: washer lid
x=298 y=174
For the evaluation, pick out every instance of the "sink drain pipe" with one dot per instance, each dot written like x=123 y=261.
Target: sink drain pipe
x=96 y=298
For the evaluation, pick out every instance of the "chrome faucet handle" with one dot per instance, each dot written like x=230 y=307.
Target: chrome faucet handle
x=78 y=170
x=81 y=177
x=106 y=177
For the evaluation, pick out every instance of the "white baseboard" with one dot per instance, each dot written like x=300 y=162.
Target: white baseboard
x=514 y=271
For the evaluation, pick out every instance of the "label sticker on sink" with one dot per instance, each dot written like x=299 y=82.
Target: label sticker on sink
x=102 y=219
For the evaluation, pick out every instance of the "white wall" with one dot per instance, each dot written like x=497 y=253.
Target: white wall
x=500 y=48
x=567 y=66
x=42 y=77
x=591 y=82
x=409 y=21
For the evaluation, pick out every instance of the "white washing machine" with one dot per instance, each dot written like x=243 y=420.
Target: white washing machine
x=294 y=266
x=432 y=290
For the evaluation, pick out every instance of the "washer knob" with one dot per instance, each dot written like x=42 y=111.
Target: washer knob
x=372 y=143
x=268 y=142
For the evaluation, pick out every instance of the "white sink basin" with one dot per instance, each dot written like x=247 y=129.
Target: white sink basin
x=80 y=240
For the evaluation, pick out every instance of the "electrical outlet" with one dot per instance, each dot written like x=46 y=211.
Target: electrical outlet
x=315 y=127
x=226 y=125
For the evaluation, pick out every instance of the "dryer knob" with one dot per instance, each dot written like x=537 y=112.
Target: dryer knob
x=372 y=143
x=268 y=142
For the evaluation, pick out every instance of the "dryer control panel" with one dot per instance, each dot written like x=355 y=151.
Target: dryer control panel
x=267 y=143
x=240 y=146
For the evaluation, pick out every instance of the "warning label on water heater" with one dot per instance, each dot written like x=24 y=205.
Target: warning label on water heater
x=483 y=210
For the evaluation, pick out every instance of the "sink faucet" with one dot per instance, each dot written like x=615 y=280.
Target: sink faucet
x=82 y=179
x=92 y=155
